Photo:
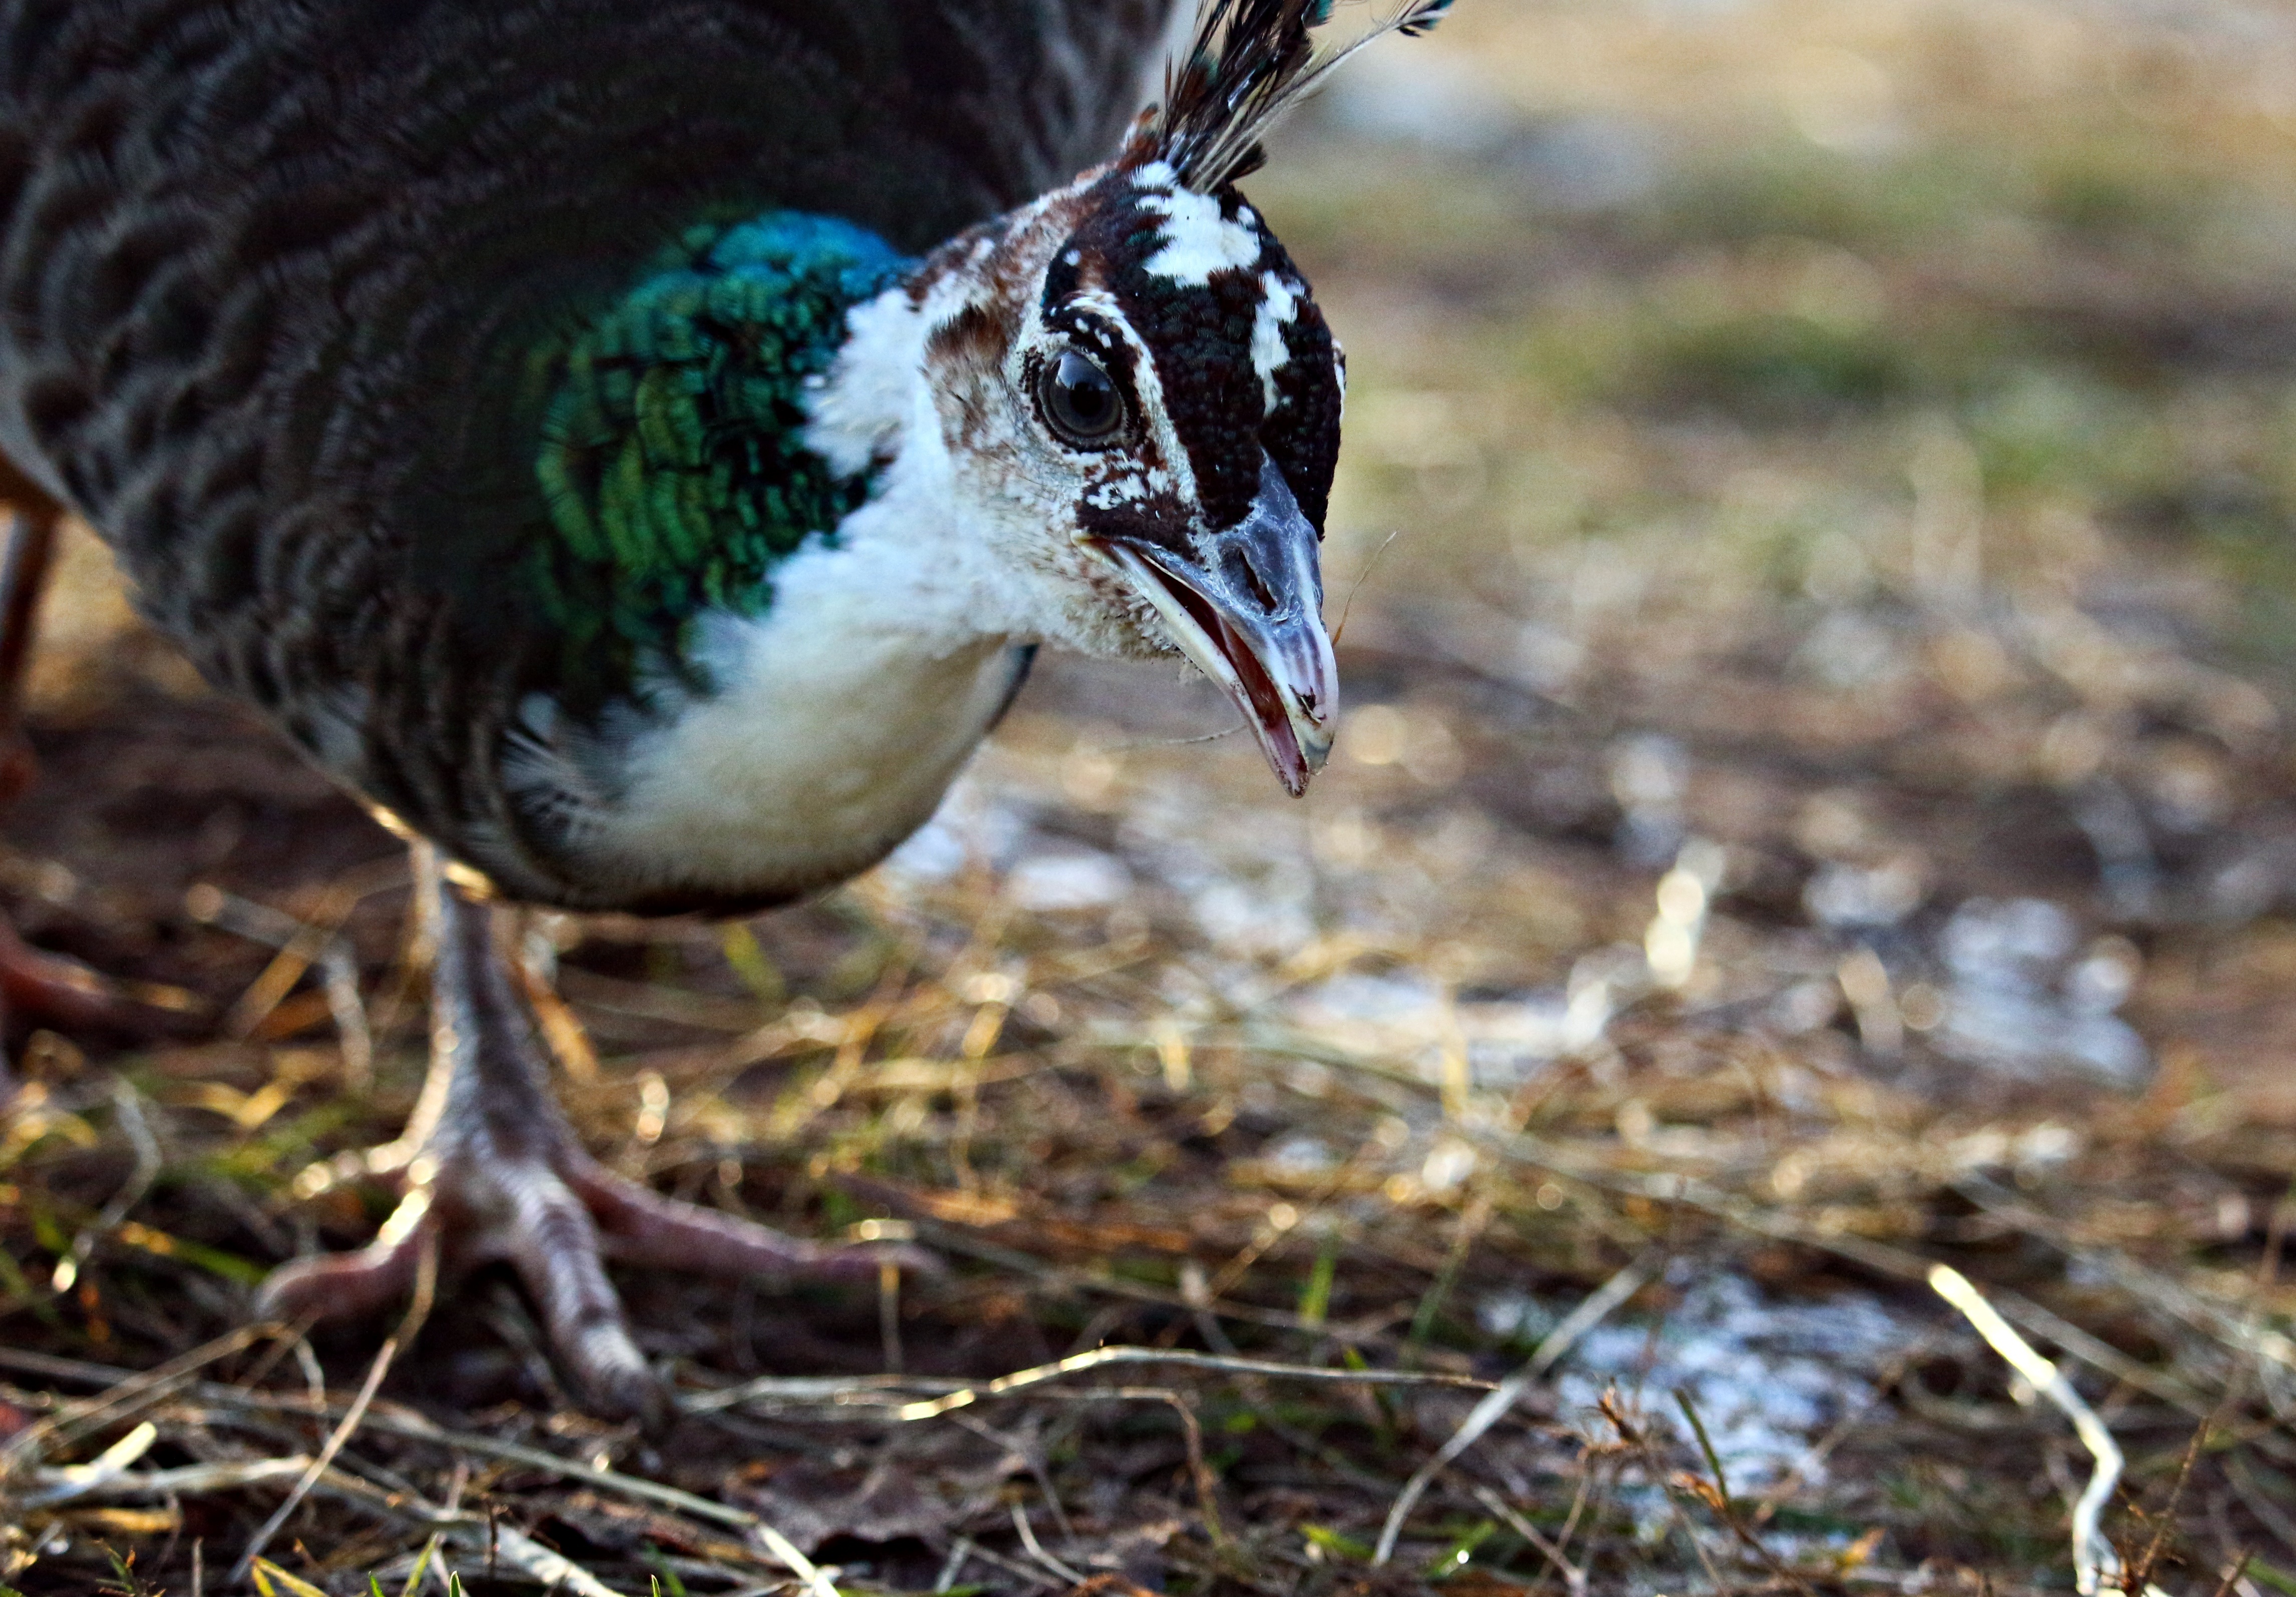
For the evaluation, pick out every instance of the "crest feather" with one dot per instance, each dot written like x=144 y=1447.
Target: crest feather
x=1248 y=62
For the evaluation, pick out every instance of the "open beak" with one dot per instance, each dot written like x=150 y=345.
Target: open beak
x=1245 y=604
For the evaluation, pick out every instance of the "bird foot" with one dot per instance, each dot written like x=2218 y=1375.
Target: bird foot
x=556 y=1216
x=492 y=1171
x=38 y=986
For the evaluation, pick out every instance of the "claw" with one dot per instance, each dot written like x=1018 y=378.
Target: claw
x=500 y=1176
x=556 y=1222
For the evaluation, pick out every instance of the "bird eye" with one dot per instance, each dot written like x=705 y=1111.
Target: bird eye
x=1079 y=401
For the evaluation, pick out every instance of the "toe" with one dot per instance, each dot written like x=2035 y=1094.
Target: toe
x=614 y=1378
x=645 y=1227
x=554 y=1243
x=342 y=1285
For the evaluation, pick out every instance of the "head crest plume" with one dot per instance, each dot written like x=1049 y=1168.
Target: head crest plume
x=1248 y=62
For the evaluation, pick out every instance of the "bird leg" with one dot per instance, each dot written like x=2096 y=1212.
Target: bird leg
x=492 y=1170
x=31 y=982
x=23 y=581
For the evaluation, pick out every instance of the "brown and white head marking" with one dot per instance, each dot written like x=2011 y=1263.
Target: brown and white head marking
x=1140 y=401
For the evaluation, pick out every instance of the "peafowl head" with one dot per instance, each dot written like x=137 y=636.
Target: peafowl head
x=1143 y=408
x=1140 y=401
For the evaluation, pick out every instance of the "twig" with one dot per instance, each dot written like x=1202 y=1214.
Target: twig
x=1493 y=1407
x=80 y=1481
x=1355 y=587
x=455 y=1484
x=811 y=1390
x=1030 y=1459
x=339 y=973
x=791 y=1559
x=779 y=1546
x=57 y=1368
x=950 y=1239
x=1191 y=1433
x=318 y=1466
x=2210 y=1319
x=1037 y=1550
x=554 y=1570
x=2095 y=1560
x=881 y=1390
x=2149 y=1560
x=889 y=1315
x=418 y=1429
x=1010 y=1565
x=2273 y=1517
x=126 y=1388
x=1725 y=1507
x=1587 y=1474
x=520 y=1552
x=426 y=1286
x=186 y=1480
x=1078 y=1364
x=149 y=1163
x=1573 y=1577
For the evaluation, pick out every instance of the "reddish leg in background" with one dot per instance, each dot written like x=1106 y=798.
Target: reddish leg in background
x=35 y=985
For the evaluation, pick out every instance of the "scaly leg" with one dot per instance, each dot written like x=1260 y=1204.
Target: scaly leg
x=493 y=1171
x=31 y=982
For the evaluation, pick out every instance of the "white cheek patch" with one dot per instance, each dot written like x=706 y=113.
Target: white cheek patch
x=1279 y=302
x=1198 y=241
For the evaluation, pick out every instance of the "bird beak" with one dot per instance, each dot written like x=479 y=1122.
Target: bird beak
x=1245 y=604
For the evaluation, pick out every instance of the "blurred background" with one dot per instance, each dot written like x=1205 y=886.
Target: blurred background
x=1813 y=544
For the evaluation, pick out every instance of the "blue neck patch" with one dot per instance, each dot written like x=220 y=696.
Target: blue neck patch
x=671 y=454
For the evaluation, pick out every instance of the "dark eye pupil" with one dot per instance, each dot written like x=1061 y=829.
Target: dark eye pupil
x=1080 y=401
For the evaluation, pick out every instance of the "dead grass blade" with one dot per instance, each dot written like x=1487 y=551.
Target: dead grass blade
x=1493 y=1407
x=2095 y=1562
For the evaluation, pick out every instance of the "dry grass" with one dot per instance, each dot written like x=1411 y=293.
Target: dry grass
x=1817 y=810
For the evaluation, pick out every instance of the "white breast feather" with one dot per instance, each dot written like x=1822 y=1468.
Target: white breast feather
x=839 y=717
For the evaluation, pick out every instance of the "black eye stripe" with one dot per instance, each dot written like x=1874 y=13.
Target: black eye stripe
x=1200 y=337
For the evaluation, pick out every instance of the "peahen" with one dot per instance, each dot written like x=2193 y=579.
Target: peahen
x=638 y=447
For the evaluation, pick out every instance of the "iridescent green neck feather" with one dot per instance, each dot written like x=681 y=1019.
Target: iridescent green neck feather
x=672 y=455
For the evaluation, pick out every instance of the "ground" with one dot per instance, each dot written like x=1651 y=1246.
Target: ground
x=1818 y=804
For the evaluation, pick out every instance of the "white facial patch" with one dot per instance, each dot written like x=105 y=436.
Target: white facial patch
x=1198 y=241
x=1279 y=302
x=1129 y=487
